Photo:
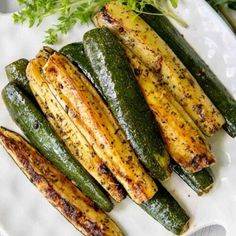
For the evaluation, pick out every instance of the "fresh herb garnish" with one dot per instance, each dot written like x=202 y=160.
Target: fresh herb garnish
x=72 y=11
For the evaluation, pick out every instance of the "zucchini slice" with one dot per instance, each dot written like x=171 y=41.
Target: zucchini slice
x=119 y=88
x=80 y=211
x=184 y=141
x=139 y=37
x=211 y=85
x=81 y=150
x=37 y=129
x=90 y=114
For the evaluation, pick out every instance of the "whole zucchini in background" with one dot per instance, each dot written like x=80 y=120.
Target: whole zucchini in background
x=116 y=80
x=38 y=131
x=64 y=127
x=213 y=87
x=91 y=116
x=200 y=182
x=16 y=71
x=143 y=41
x=58 y=190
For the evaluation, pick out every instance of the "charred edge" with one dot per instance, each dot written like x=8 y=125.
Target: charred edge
x=106 y=15
x=201 y=160
x=74 y=215
x=158 y=65
x=104 y=170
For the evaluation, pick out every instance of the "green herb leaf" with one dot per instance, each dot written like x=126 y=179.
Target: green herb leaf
x=72 y=11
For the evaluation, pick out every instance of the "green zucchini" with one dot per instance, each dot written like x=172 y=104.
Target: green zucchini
x=75 y=52
x=213 y=88
x=201 y=182
x=164 y=208
x=16 y=71
x=38 y=131
x=116 y=80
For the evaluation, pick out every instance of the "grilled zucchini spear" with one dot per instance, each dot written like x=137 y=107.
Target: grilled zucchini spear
x=37 y=129
x=67 y=130
x=139 y=37
x=211 y=85
x=90 y=114
x=184 y=141
x=59 y=191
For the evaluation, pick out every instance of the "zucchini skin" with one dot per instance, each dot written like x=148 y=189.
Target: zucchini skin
x=64 y=127
x=38 y=131
x=80 y=211
x=118 y=85
x=164 y=208
x=208 y=81
x=201 y=182
x=16 y=71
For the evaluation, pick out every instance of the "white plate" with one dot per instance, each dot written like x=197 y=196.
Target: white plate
x=23 y=211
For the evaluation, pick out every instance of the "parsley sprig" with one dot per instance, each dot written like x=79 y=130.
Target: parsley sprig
x=72 y=11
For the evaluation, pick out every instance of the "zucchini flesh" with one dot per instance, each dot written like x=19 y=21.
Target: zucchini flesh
x=208 y=81
x=38 y=131
x=16 y=72
x=117 y=83
x=184 y=141
x=201 y=182
x=69 y=133
x=163 y=208
x=139 y=37
x=58 y=190
x=75 y=52
x=90 y=114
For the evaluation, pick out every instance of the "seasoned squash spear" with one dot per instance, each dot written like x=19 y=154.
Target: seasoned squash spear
x=69 y=133
x=80 y=211
x=184 y=141
x=139 y=37
x=90 y=114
